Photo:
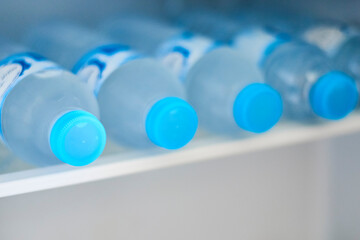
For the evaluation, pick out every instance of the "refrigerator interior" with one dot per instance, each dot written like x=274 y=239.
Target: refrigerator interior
x=294 y=182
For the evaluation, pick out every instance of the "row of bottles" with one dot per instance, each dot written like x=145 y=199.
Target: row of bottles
x=148 y=82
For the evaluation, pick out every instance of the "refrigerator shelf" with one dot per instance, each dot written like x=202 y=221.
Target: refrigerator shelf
x=116 y=161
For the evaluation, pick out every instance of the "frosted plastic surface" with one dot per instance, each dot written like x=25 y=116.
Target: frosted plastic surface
x=32 y=107
x=292 y=69
x=129 y=92
x=213 y=84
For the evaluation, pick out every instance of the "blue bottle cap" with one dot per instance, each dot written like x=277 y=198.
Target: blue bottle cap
x=334 y=95
x=77 y=138
x=171 y=123
x=257 y=108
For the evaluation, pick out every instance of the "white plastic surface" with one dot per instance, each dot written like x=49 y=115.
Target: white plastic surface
x=119 y=162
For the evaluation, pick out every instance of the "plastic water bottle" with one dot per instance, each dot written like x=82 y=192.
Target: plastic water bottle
x=228 y=94
x=47 y=114
x=141 y=102
x=303 y=74
x=341 y=42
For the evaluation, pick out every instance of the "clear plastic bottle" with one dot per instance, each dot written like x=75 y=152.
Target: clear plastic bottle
x=340 y=41
x=141 y=102
x=314 y=87
x=303 y=74
x=306 y=78
x=228 y=94
x=47 y=114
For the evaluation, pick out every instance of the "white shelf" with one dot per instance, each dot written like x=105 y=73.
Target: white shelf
x=117 y=162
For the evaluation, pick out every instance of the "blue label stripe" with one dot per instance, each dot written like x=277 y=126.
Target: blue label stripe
x=190 y=47
x=107 y=50
x=106 y=59
x=183 y=51
x=20 y=57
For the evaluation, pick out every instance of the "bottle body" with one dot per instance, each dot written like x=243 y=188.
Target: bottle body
x=328 y=36
x=193 y=57
x=295 y=69
x=47 y=115
x=292 y=70
x=143 y=83
x=219 y=81
x=273 y=52
x=128 y=87
x=347 y=58
x=35 y=94
x=33 y=106
x=175 y=47
x=340 y=41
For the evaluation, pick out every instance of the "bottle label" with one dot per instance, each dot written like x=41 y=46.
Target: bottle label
x=96 y=66
x=16 y=67
x=328 y=37
x=181 y=52
x=258 y=43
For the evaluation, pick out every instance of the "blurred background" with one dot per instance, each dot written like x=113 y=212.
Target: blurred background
x=19 y=14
